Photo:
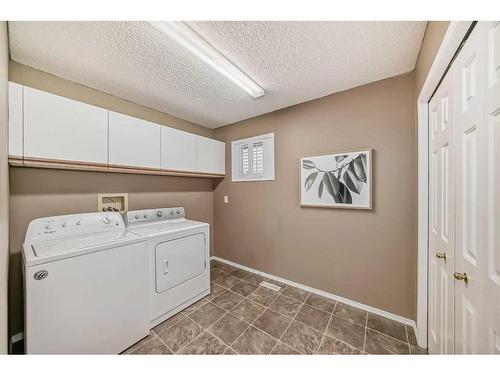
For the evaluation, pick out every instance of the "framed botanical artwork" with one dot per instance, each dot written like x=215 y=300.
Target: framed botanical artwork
x=337 y=180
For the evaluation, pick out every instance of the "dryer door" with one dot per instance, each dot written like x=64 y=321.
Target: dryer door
x=179 y=260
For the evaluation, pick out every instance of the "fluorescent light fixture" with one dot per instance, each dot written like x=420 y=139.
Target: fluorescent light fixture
x=193 y=42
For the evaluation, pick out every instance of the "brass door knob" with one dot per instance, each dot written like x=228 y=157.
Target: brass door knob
x=461 y=276
x=441 y=255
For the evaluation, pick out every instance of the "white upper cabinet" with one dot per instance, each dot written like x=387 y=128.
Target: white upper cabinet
x=64 y=129
x=210 y=155
x=134 y=142
x=178 y=150
x=15 y=120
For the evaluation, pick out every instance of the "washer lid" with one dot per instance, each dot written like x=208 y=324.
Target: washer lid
x=72 y=244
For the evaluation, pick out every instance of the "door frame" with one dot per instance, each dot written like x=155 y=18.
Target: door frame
x=452 y=39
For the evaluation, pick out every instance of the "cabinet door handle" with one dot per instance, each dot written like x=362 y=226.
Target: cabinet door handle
x=165 y=266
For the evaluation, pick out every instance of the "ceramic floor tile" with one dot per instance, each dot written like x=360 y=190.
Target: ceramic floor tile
x=240 y=273
x=204 y=344
x=195 y=306
x=168 y=323
x=263 y=296
x=302 y=338
x=387 y=326
x=350 y=313
x=215 y=290
x=295 y=293
x=227 y=268
x=139 y=343
x=272 y=322
x=378 y=343
x=207 y=314
x=417 y=350
x=227 y=281
x=314 y=318
x=228 y=328
x=244 y=288
x=343 y=330
x=412 y=339
x=254 y=341
x=254 y=278
x=320 y=303
x=180 y=334
x=286 y=306
x=283 y=349
x=248 y=310
x=332 y=346
x=227 y=300
x=230 y=351
x=216 y=273
x=153 y=346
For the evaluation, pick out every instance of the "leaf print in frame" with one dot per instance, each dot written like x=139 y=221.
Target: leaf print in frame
x=337 y=180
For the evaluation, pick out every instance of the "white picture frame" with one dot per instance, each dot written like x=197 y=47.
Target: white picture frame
x=337 y=180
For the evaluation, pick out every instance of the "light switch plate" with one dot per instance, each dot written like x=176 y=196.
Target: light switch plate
x=117 y=202
x=226 y=199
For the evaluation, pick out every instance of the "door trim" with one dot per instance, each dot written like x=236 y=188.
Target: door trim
x=451 y=42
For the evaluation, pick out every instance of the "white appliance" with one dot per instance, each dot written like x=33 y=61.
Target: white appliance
x=179 y=257
x=86 y=285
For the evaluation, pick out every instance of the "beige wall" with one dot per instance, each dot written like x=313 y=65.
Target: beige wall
x=430 y=44
x=4 y=188
x=366 y=256
x=38 y=192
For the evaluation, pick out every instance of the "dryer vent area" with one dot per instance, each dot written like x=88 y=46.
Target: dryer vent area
x=241 y=316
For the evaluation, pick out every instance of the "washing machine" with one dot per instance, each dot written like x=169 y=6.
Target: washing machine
x=86 y=281
x=179 y=251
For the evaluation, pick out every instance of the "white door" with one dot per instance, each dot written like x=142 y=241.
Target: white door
x=64 y=129
x=491 y=113
x=441 y=234
x=472 y=198
x=133 y=142
x=178 y=150
x=210 y=155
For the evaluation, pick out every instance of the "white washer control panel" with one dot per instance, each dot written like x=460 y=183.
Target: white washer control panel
x=49 y=228
x=154 y=215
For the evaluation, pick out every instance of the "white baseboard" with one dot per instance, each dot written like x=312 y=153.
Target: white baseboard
x=346 y=301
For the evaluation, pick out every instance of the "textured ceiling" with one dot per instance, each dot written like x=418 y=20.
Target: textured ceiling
x=293 y=61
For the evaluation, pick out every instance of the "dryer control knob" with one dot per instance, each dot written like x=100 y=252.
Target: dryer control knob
x=137 y=216
x=159 y=213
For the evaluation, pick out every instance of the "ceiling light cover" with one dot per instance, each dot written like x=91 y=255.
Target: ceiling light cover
x=192 y=41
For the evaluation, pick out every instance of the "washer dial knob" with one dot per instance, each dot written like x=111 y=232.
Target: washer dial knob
x=159 y=213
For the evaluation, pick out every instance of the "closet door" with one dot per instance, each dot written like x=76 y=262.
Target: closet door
x=491 y=113
x=441 y=234
x=471 y=203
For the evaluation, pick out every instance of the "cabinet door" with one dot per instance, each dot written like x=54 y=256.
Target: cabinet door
x=178 y=150
x=64 y=129
x=210 y=155
x=133 y=142
x=15 y=120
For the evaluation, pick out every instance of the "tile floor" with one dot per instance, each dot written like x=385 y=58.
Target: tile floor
x=241 y=317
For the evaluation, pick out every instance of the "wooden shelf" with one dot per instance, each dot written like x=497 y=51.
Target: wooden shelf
x=95 y=167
